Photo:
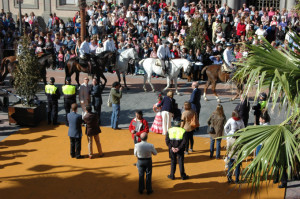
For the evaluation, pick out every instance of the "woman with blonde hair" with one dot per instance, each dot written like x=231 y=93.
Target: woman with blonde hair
x=186 y=119
x=167 y=110
x=216 y=122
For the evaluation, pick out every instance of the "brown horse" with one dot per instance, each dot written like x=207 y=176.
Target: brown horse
x=215 y=73
x=103 y=59
x=9 y=64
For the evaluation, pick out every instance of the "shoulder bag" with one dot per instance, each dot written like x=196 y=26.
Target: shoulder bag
x=109 y=103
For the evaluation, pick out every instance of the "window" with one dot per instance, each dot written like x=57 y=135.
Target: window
x=213 y=2
x=34 y=4
x=266 y=3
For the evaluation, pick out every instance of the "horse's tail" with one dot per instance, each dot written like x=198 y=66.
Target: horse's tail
x=141 y=62
x=4 y=62
x=204 y=69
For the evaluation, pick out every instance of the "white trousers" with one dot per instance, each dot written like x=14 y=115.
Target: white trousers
x=166 y=121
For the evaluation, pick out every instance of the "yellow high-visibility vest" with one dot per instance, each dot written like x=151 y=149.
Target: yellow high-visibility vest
x=69 y=90
x=50 y=89
x=176 y=133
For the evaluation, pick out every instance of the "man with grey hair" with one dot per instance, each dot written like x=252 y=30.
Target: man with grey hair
x=143 y=151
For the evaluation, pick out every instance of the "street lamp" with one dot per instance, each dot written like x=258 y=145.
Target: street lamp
x=20 y=16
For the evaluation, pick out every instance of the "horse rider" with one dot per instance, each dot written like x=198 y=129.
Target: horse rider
x=163 y=53
x=229 y=57
x=69 y=92
x=109 y=45
x=53 y=96
x=85 y=51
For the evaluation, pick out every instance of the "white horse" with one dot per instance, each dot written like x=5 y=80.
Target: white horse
x=122 y=62
x=175 y=66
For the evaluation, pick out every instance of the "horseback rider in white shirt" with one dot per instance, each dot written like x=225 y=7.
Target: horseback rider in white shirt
x=85 y=50
x=163 y=53
x=109 y=45
x=229 y=58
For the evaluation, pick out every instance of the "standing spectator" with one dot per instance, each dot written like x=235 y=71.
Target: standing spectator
x=176 y=141
x=217 y=121
x=75 y=132
x=157 y=123
x=186 y=118
x=241 y=29
x=167 y=109
x=116 y=95
x=53 y=96
x=92 y=130
x=60 y=58
x=138 y=125
x=84 y=95
x=69 y=92
x=261 y=104
x=243 y=109
x=143 y=151
x=96 y=92
x=195 y=98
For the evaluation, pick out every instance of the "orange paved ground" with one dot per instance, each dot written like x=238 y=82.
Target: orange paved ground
x=35 y=163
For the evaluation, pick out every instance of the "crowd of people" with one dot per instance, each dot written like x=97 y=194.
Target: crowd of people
x=145 y=27
x=157 y=30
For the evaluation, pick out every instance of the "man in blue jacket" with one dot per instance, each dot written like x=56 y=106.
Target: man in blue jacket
x=75 y=132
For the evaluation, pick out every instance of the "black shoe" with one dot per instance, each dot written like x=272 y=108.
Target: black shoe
x=171 y=177
x=229 y=180
x=80 y=157
x=134 y=164
x=149 y=192
x=72 y=156
x=49 y=122
x=56 y=123
x=67 y=124
x=275 y=181
x=185 y=177
x=117 y=128
x=141 y=192
x=282 y=186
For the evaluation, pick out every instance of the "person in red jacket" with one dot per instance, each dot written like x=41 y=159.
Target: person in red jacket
x=241 y=29
x=137 y=126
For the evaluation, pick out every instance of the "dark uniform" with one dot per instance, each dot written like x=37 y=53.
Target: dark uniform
x=69 y=92
x=176 y=138
x=96 y=92
x=53 y=96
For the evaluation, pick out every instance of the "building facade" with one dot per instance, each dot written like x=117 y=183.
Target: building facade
x=66 y=8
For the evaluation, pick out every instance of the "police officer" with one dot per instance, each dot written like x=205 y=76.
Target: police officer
x=176 y=141
x=53 y=96
x=69 y=92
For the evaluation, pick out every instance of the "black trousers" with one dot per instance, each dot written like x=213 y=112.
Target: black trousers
x=190 y=140
x=145 y=166
x=97 y=109
x=67 y=105
x=75 y=146
x=52 y=111
x=174 y=156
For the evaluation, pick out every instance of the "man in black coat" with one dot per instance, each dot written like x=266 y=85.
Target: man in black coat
x=96 y=91
x=53 y=96
x=243 y=109
x=195 y=98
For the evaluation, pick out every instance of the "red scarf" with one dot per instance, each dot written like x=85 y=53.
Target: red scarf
x=236 y=118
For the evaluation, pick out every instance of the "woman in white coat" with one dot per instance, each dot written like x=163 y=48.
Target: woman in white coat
x=234 y=124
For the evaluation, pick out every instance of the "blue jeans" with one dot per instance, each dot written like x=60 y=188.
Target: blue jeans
x=115 y=115
x=212 y=147
x=237 y=170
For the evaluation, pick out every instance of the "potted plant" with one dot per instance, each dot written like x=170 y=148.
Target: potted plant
x=28 y=111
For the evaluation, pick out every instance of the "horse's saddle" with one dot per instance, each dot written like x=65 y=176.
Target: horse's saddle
x=226 y=68
x=83 y=62
x=157 y=63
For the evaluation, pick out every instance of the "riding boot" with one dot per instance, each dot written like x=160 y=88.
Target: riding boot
x=90 y=68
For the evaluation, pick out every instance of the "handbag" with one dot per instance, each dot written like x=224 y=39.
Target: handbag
x=109 y=103
x=211 y=130
x=194 y=121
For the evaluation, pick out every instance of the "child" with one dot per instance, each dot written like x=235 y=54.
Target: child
x=157 y=123
x=67 y=56
x=259 y=107
x=72 y=54
x=60 y=58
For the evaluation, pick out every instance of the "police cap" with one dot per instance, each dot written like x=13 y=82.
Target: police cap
x=52 y=79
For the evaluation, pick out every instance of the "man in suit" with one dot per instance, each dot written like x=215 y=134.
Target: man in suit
x=243 y=109
x=96 y=91
x=143 y=151
x=84 y=94
x=75 y=132
x=195 y=98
